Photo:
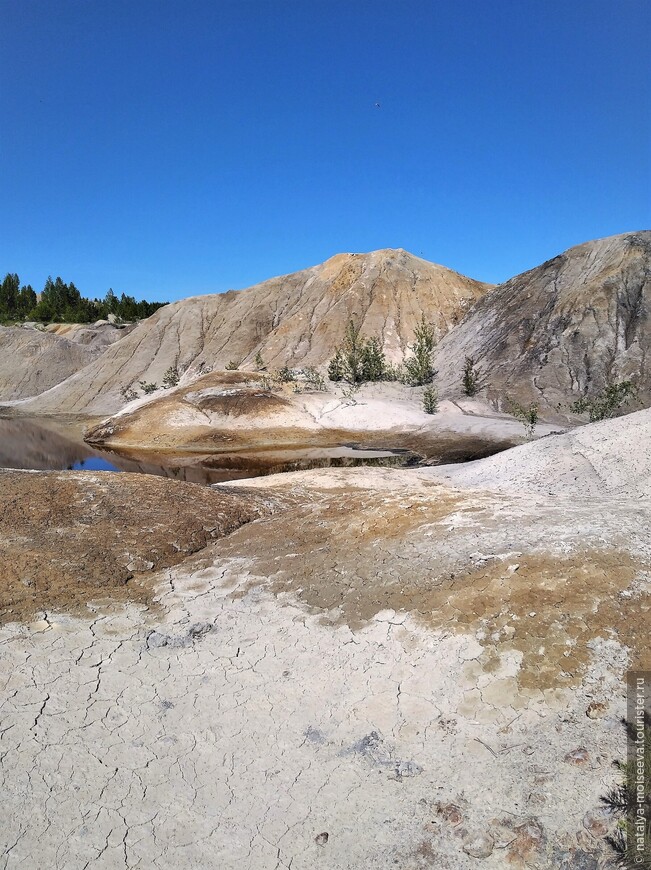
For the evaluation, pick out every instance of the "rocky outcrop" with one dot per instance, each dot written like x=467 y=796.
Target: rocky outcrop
x=293 y=320
x=563 y=329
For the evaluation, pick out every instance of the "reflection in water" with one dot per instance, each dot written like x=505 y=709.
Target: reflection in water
x=94 y=463
x=48 y=444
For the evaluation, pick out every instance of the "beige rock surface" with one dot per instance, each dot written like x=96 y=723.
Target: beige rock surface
x=291 y=320
x=565 y=327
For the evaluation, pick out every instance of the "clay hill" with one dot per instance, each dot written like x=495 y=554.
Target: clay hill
x=292 y=320
x=33 y=360
x=564 y=328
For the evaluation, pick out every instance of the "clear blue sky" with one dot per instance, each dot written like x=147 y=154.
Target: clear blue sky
x=168 y=148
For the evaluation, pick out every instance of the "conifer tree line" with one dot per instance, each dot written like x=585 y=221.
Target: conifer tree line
x=63 y=303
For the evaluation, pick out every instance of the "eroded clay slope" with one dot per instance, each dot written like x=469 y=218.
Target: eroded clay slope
x=566 y=327
x=32 y=361
x=602 y=459
x=294 y=320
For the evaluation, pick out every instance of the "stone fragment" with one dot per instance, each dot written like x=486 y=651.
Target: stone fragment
x=479 y=845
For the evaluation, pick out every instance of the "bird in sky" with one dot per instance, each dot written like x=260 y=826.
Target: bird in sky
x=377 y=106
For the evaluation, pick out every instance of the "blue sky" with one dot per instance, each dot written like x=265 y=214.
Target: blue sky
x=168 y=148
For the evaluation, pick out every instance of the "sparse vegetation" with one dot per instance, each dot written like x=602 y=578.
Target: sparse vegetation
x=349 y=393
x=285 y=375
x=171 y=378
x=630 y=801
x=129 y=393
x=232 y=366
x=528 y=416
x=606 y=403
x=419 y=369
x=148 y=388
x=430 y=400
x=473 y=378
x=314 y=380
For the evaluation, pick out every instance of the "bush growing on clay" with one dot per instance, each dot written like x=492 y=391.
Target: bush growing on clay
x=148 y=388
x=171 y=378
x=419 y=369
x=314 y=380
x=129 y=393
x=285 y=375
x=232 y=366
x=528 y=416
x=606 y=403
x=430 y=400
x=473 y=379
x=336 y=367
x=258 y=362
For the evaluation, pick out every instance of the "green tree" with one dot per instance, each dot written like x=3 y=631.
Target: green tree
x=419 y=368
x=374 y=364
x=9 y=290
x=336 y=366
x=606 y=403
x=473 y=378
x=430 y=400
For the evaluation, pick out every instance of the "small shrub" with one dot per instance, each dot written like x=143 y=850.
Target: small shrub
x=349 y=393
x=232 y=366
x=129 y=393
x=171 y=378
x=606 y=403
x=473 y=379
x=419 y=369
x=285 y=375
x=314 y=379
x=393 y=373
x=527 y=416
x=148 y=388
x=266 y=383
x=336 y=367
x=430 y=400
x=259 y=362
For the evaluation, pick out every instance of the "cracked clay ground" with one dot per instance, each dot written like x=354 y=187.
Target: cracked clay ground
x=318 y=690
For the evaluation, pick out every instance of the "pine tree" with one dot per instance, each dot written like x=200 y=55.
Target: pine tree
x=419 y=369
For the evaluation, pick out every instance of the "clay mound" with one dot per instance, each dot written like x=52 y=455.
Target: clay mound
x=566 y=327
x=292 y=320
x=32 y=361
x=611 y=458
x=70 y=537
x=100 y=334
x=217 y=409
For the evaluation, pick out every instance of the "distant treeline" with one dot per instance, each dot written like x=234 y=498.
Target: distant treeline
x=63 y=303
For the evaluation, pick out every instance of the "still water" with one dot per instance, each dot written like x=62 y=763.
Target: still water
x=43 y=443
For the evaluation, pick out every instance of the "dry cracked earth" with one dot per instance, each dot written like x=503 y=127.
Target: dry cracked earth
x=346 y=669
